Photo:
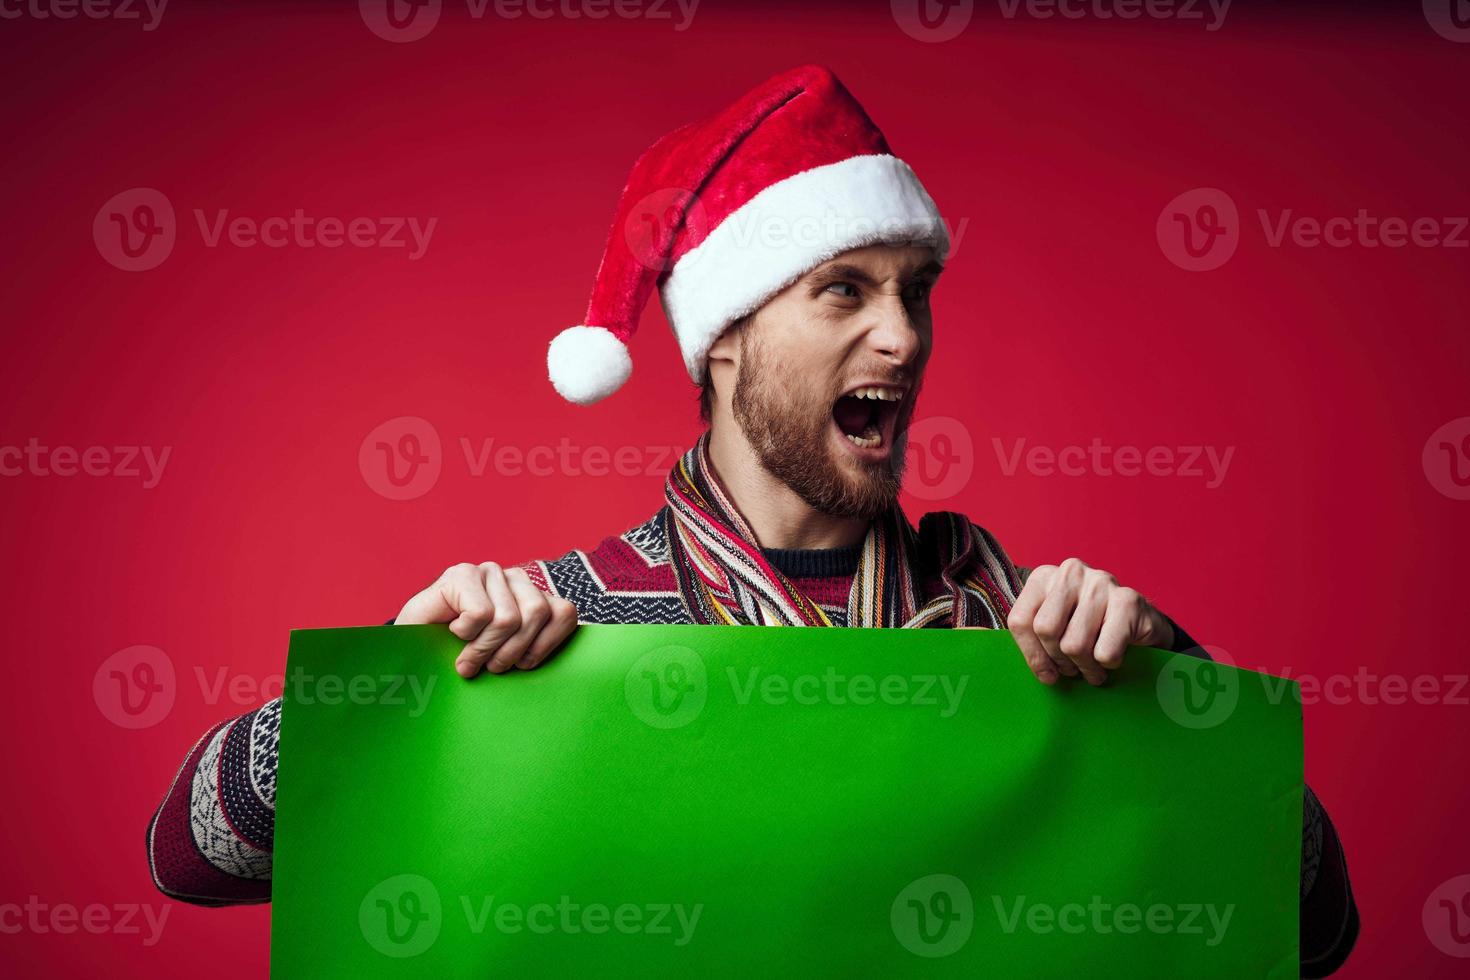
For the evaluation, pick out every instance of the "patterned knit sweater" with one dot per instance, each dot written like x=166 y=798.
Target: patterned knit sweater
x=210 y=840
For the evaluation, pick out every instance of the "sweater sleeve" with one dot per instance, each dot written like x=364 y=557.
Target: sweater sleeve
x=210 y=840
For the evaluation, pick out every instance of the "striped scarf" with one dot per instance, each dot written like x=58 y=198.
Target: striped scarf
x=725 y=579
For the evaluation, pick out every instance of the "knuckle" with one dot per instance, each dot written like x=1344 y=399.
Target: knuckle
x=1046 y=626
x=475 y=607
x=535 y=615
x=507 y=619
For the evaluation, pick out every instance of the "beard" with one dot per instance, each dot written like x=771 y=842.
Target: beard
x=786 y=422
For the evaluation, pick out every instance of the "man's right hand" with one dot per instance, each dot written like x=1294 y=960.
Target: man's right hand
x=503 y=618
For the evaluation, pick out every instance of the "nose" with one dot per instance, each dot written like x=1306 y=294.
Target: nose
x=894 y=335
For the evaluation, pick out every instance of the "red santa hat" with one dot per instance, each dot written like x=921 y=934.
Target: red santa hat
x=723 y=214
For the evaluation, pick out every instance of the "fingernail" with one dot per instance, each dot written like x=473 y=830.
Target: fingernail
x=465 y=669
x=1047 y=676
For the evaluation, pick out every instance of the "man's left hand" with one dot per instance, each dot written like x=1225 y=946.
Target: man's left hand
x=1072 y=619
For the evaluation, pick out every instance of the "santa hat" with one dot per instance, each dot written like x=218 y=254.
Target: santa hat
x=723 y=214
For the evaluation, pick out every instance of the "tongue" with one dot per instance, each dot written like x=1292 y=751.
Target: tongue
x=853 y=414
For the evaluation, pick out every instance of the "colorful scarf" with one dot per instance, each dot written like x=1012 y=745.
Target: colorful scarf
x=947 y=573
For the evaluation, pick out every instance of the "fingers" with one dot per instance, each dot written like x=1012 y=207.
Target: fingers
x=563 y=621
x=1055 y=617
x=1079 y=640
x=1021 y=623
x=1071 y=619
x=1126 y=611
x=486 y=623
x=438 y=602
x=535 y=613
x=503 y=618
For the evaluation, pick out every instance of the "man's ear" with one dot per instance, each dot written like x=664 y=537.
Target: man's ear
x=723 y=359
x=726 y=348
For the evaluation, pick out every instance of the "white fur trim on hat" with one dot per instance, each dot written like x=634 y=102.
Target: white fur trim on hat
x=586 y=364
x=784 y=232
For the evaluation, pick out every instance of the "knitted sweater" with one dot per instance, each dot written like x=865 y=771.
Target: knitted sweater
x=210 y=840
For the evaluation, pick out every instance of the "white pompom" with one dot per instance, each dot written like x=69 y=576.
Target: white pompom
x=586 y=364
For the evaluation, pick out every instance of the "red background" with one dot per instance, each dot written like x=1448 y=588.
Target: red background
x=1327 y=547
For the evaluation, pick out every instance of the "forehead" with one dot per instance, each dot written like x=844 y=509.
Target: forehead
x=885 y=261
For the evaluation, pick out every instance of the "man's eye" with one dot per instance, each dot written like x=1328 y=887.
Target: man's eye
x=844 y=289
x=918 y=291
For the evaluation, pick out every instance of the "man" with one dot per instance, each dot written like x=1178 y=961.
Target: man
x=797 y=281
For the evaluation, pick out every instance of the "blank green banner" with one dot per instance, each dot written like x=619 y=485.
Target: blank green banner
x=743 y=801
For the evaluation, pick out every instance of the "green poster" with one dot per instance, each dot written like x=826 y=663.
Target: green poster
x=755 y=802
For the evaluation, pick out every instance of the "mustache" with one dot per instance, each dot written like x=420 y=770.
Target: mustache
x=905 y=378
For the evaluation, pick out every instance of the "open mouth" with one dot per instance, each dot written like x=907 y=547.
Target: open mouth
x=865 y=415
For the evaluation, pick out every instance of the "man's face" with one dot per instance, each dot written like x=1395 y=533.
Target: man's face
x=829 y=371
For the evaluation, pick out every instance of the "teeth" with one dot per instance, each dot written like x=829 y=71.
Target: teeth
x=870 y=438
x=880 y=394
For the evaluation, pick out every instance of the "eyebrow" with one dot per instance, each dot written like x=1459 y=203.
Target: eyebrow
x=843 y=272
